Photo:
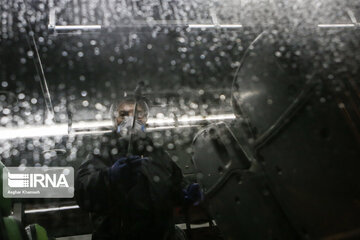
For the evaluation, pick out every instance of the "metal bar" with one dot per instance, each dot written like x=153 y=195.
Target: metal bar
x=338 y=25
x=207 y=26
x=76 y=27
x=352 y=16
x=42 y=210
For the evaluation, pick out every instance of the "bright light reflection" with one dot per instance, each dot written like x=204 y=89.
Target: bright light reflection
x=97 y=127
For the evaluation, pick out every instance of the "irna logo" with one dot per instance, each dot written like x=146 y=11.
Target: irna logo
x=38 y=182
x=33 y=180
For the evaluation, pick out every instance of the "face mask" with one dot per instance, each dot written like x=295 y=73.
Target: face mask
x=124 y=128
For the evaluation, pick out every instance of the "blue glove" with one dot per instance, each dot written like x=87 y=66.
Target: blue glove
x=125 y=171
x=193 y=194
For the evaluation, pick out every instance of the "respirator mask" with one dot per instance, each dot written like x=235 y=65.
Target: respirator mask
x=125 y=127
x=122 y=114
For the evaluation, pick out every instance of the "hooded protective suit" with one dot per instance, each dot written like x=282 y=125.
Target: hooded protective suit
x=146 y=210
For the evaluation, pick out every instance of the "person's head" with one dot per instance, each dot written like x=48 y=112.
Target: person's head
x=123 y=114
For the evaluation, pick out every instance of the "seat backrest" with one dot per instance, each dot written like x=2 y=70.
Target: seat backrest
x=236 y=191
x=14 y=229
x=36 y=232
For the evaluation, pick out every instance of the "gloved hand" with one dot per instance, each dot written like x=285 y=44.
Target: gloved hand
x=193 y=194
x=125 y=171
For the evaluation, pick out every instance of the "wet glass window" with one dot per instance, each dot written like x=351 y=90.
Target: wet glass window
x=179 y=119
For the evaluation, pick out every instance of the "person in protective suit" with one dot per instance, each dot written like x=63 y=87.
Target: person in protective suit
x=132 y=196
